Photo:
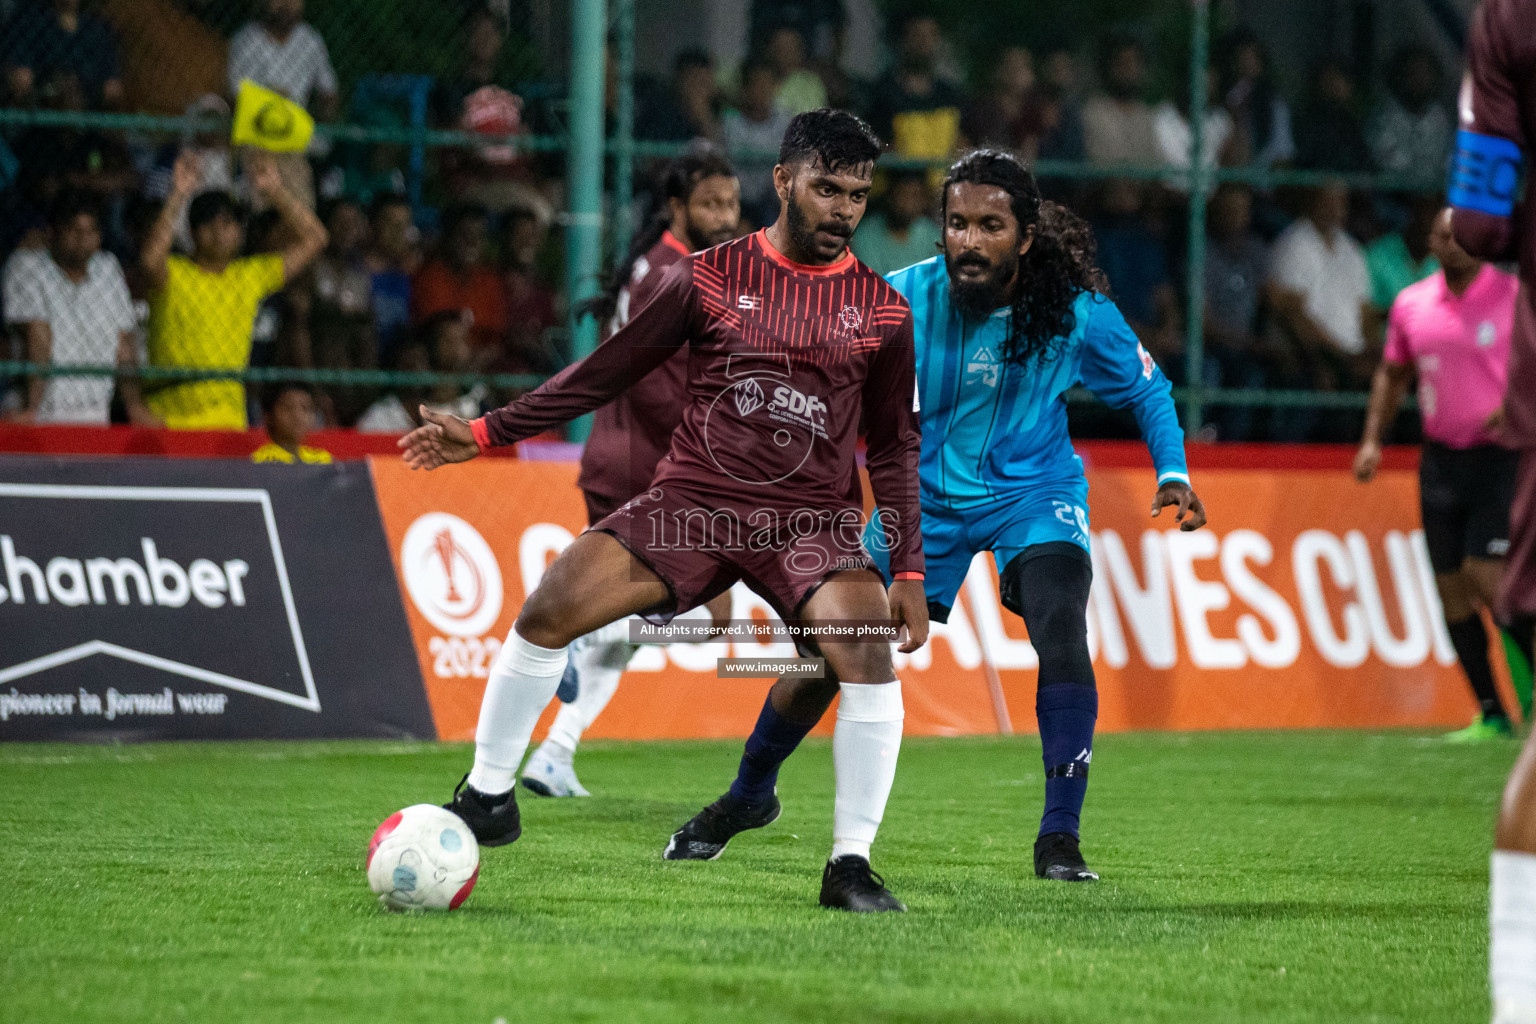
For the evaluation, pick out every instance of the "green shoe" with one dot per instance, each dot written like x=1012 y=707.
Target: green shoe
x=1519 y=673
x=1481 y=730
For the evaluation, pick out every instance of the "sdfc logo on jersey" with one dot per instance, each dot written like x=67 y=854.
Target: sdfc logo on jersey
x=850 y=321
x=749 y=397
x=801 y=409
x=1147 y=365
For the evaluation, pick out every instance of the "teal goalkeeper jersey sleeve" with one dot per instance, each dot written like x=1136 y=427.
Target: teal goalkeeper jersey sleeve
x=993 y=429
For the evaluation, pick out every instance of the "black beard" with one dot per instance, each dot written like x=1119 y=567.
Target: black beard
x=800 y=230
x=704 y=239
x=977 y=300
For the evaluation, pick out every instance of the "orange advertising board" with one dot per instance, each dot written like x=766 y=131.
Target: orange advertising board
x=1308 y=602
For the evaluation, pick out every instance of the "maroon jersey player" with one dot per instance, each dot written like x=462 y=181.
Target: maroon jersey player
x=1498 y=124
x=792 y=343
x=630 y=435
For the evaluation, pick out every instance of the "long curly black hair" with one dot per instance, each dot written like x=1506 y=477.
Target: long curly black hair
x=677 y=181
x=1060 y=264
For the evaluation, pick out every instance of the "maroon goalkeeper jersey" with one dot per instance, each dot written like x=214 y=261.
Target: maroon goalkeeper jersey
x=783 y=361
x=631 y=433
x=1498 y=98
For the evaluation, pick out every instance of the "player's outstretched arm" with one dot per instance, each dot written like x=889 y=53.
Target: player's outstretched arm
x=1191 y=511
x=1119 y=370
x=440 y=439
x=649 y=339
x=909 y=607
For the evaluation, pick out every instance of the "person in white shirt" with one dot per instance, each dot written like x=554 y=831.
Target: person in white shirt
x=1170 y=129
x=752 y=131
x=284 y=53
x=70 y=304
x=442 y=345
x=1320 y=292
x=1117 y=123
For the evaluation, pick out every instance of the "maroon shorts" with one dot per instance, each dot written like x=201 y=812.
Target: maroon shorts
x=1518 y=594
x=701 y=546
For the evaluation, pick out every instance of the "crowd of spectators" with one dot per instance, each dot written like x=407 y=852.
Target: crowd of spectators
x=461 y=277
x=129 y=248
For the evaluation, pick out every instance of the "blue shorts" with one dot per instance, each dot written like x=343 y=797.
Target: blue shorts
x=953 y=537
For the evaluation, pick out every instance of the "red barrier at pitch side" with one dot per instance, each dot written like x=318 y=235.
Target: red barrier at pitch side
x=57 y=439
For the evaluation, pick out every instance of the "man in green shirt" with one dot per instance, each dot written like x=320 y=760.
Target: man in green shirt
x=902 y=233
x=1398 y=259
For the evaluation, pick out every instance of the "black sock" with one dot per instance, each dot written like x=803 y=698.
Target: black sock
x=1471 y=642
x=773 y=739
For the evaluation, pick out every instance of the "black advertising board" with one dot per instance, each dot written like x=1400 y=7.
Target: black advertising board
x=146 y=599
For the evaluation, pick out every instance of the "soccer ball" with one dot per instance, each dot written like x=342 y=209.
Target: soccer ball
x=423 y=858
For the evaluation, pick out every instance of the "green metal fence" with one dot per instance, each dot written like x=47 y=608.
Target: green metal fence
x=577 y=132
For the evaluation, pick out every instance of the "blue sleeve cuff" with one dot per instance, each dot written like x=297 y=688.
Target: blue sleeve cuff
x=1172 y=474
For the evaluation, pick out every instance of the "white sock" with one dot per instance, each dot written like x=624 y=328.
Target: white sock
x=1512 y=953
x=613 y=632
x=523 y=679
x=864 y=748
x=601 y=665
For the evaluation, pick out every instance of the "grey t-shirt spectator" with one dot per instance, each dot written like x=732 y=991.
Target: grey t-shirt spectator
x=298 y=67
x=87 y=321
x=1119 y=131
x=1407 y=143
x=1235 y=273
x=743 y=135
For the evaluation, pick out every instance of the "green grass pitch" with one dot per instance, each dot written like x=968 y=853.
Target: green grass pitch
x=1328 y=877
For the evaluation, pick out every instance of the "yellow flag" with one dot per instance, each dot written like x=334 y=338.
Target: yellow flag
x=269 y=120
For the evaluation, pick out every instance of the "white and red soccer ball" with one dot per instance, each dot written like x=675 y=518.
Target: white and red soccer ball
x=423 y=858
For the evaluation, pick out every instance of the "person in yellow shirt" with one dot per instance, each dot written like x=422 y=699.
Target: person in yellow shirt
x=202 y=307
x=289 y=412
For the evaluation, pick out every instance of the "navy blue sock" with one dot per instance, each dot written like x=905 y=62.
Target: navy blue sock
x=773 y=739
x=1066 y=712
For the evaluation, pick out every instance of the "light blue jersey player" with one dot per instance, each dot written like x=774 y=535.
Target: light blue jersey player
x=1005 y=321
x=998 y=471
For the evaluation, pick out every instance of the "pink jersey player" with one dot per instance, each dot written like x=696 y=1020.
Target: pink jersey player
x=1453 y=328
x=1459 y=345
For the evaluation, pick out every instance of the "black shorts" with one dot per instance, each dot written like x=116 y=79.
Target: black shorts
x=1464 y=498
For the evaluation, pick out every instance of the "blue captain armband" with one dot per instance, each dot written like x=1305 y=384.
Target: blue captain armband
x=1485 y=175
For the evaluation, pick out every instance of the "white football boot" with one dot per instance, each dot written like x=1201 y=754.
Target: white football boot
x=548 y=776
